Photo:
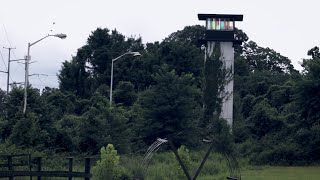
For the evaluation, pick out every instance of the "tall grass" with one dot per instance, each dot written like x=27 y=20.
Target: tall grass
x=164 y=166
x=282 y=173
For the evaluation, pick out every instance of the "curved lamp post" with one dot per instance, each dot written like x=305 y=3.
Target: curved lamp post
x=61 y=36
x=134 y=54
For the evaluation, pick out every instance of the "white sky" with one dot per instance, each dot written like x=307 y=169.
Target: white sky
x=289 y=27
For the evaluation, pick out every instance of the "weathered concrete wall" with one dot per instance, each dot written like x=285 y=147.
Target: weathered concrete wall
x=227 y=54
x=227 y=57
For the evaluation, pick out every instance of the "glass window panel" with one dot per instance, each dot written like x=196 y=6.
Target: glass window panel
x=230 y=25
x=218 y=24
x=213 y=27
x=208 y=23
x=226 y=25
x=222 y=25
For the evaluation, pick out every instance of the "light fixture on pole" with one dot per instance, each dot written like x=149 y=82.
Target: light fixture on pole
x=61 y=36
x=134 y=54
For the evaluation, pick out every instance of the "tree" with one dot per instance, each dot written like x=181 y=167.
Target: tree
x=170 y=106
x=3 y=128
x=125 y=94
x=264 y=119
x=309 y=94
x=68 y=133
x=189 y=35
x=314 y=52
x=14 y=102
x=243 y=37
x=96 y=126
x=180 y=51
x=182 y=57
x=3 y=99
x=91 y=67
x=108 y=166
x=308 y=99
x=216 y=76
x=58 y=103
x=73 y=77
x=27 y=132
x=265 y=59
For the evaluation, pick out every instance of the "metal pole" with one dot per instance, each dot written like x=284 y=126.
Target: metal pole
x=87 y=169
x=10 y=167
x=39 y=167
x=8 y=71
x=70 y=168
x=61 y=36
x=113 y=60
x=174 y=149
x=111 y=82
x=203 y=162
x=26 y=80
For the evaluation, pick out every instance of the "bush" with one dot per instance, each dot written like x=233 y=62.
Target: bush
x=108 y=168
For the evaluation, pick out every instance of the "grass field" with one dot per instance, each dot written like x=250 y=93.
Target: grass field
x=282 y=173
x=164 y=166
x=215 y=168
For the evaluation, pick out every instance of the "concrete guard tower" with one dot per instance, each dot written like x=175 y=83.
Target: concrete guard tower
x=220 y=29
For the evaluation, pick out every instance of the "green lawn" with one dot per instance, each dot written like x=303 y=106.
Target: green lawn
x=282 y=173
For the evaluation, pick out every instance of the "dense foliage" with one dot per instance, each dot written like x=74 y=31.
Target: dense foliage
x=164 y=93
x=108 y=167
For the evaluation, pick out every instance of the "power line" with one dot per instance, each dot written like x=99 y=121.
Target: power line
x=7 y=37
x=5 y=31
x=41 y=82
x=3 y=61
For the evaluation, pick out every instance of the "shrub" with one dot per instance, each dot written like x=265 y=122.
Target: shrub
x=108 y=168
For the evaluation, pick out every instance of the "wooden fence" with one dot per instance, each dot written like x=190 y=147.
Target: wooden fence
x=39 y=173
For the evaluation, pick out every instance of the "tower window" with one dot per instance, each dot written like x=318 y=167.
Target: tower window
x=219 y=24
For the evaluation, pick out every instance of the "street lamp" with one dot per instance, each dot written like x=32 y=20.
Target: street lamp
x=61 y=36
x=134 y=54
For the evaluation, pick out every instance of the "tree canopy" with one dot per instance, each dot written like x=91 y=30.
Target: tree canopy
x=167 y=92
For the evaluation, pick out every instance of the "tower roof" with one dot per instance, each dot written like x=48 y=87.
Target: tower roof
x=235 y=17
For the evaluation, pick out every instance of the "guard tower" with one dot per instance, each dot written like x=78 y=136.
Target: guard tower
x=220 y=28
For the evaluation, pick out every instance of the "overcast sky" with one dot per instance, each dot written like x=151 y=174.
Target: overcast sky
x=289 y=27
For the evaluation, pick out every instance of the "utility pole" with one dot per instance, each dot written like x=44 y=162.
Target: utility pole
x=26 y=80
x=61 y=36
x=8 y=72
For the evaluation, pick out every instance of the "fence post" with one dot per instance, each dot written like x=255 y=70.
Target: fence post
x=10 y=168
x=70 y=167
x=174 y=149
x=39 y=167
x=87 y=169
x=30 y=165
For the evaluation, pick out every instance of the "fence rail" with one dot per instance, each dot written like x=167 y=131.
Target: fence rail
x=11 y=173
x=10 y=161
x=44 y=174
